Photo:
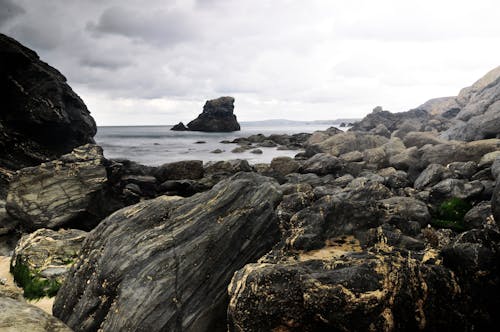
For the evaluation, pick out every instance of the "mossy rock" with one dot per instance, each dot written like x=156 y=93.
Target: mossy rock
x=450 y=214
x=34 y=285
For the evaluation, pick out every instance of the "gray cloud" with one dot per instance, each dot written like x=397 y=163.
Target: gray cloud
x=163 y=27
x=104 y=63
x=9 y=10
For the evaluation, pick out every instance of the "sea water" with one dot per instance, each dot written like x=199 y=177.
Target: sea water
x=156 y=145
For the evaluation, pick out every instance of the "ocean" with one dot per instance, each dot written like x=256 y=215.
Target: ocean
x=156 y=145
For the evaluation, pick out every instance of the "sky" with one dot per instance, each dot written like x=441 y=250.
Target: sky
x=157 y=62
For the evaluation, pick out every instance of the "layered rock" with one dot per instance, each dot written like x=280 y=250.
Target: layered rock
x=42 y=118
x=217 y=116
x=163 y=265
x=21 y=316
x=68 y=191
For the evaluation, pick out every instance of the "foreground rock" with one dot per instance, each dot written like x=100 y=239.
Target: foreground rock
x=217 y=116
x=42 y=118
x=45 y=255
x=17 y=316
x=67 y=191
x=164 y=266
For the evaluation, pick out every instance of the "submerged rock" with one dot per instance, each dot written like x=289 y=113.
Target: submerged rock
x=217 y=116
x=164 y=266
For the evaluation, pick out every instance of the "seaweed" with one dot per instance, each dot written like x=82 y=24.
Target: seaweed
x=34 y=285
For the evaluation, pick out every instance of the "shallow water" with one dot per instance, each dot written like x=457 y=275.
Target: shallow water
x=156 y=145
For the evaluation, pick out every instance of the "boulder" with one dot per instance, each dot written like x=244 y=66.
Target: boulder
x=430 y=176
x=69 y=191
x=42 y=118
x=451 y=188
x=392 y=121
x=349 y=141
x=419 y=139
x=17 y=316
x=46 y=256
x=495 y=202
x=480 y=216
x=227 y=167
x=457 y=151
x=180 y=170
x=165 y=265
x=217 y=116
x=284 y=165
x=322 y=164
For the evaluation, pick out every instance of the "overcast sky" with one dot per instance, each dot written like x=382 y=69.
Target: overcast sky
x=156 y=62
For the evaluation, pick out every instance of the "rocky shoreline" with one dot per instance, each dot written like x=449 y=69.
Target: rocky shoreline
x=390 y=226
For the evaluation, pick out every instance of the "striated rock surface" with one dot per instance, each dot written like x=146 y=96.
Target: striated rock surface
x=48 y=254
x=42 y=118
x=67 y=191
x=17 y=316
x=164 y=265
x=217 y=116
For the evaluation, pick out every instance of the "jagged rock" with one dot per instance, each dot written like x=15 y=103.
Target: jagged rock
x=344 y=288
x=156 y=265
x=480 y=216
x=69 y=191
x=179 y=127
x=227 y=167
x=450 y=188
x=343 y=180
x=349 y=141
x=48 y=254
x=430 y=176
x=217 y=116
x=284 y=165
x=42 y=118
x=393 y=178
x=321 y=164
x=17 y=316
x=180 y=170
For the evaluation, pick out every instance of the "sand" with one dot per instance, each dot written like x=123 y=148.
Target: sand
x=44 y=303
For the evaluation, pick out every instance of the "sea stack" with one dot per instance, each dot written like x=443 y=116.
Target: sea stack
x=217 y=116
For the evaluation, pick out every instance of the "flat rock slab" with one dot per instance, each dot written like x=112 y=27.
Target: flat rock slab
x=164 y=265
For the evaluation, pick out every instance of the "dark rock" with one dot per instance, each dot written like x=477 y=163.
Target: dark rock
x=147 y=184
x=180 y=170
x=200 y=142
x=343 y=180
x=179 y=127
x=495 y=202
x=480 y=216
x=381 y=130
x=495 y=169
x=400 y=211
x=457 y=151
x=42 y=118
x=430 y=176
x=322 y=164
x=21 y=316
x=227 y=167
x=405 y=160
x=217 y=116
x=463 y=169
x=451 y=188
x=268 y=144
x=217 y=151
x=488 y=159
x=393 y=178
x=284 y=165
x=239 y=150
x=70 y=191
x=256 y=151
x=392 y=121
x=173 y=253
x=183 y=188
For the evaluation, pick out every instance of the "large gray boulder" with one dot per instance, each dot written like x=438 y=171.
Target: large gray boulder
x=17 y=316
x=164 y=265
x=42 y=118
x=70 y=190
x=217 y=116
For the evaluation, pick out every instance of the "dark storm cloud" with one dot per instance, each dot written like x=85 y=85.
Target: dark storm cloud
x=162 y=27
x=9 y=10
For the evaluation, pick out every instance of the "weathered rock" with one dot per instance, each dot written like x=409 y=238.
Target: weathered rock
x=495 y=202
x=217 y=116
x=480 y=216
x=48 y=254
x=342 y=288
x=69 y=191
x=430 y=176
x=161 y=265
x=488 y=159
x=349 y=141
x=7 y=223
x=284 y=165
x=463 y=169
x=495 y=169
x=403 y=212
x=17 y=316
x=392 y=121
x=450 y=188
x=256 y=151
x=183 y=188
x=404 y=160
x=180 y=170
x=322 y=164
x=179 y=127
x=419 y=139
x=42 y=118
x=352 y=156
x=457 y=151
x=227 y=167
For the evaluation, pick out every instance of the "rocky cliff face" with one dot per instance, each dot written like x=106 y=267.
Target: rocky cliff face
x=217 y=116
x=42 y=118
